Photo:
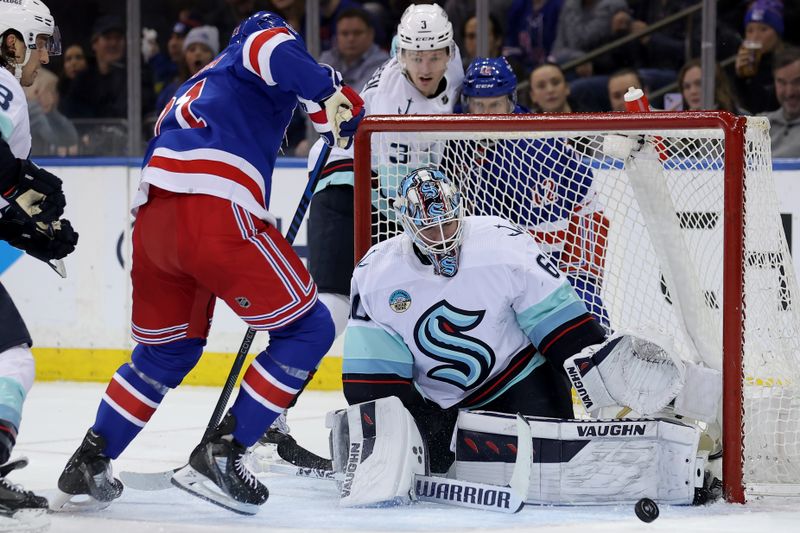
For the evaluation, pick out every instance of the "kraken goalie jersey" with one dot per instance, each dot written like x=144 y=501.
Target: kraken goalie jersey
x=462 y=340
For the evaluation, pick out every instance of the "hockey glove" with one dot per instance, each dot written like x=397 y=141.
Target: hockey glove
x=36 y=193
x=44 y=242
x=336 y=118
x=628 y=371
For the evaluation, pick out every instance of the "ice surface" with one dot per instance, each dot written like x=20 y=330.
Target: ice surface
x=58 y=414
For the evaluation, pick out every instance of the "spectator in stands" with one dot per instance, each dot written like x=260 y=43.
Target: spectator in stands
x=329 y=10
x=690 y=80
x=101 y=92
x=230 y=13
x=164 y=65
x=355 y=53
x=199 y=46
x=531 y=31
x=752 y=74
x=582 y=26
x=618 y=84
x=74 y=62
x=549 y=91
x=460 y=11
x=51 y=132
x=470 y=43
x=785 y=121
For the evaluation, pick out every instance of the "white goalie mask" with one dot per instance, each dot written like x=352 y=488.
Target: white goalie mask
x=425 y=27
x=31 y=19
x=430 y=210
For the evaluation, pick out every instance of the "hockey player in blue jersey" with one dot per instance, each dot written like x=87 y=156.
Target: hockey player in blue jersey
x=204 y=231
x=540 y=184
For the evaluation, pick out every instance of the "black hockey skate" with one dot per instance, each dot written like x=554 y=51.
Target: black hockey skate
x=20 y=509
x=88 y=476
x=217 y=472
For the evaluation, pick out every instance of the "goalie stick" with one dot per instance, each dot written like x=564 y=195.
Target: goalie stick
x=433 y=489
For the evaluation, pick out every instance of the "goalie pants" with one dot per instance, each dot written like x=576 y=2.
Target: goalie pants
x=544 y=392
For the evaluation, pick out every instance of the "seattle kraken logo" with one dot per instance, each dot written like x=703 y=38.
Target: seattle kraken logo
x=439 y=334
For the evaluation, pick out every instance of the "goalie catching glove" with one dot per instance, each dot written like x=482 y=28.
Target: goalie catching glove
x=34 y=193
x=336 y=117
x=643 y=374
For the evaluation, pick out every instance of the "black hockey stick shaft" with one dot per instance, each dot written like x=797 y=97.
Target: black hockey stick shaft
x=291 y=233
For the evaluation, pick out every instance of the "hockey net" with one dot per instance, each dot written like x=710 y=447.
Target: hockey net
x=690 y=242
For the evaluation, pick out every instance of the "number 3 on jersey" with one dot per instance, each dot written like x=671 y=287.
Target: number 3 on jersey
x=182 y=106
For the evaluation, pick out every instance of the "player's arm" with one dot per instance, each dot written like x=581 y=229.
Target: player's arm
x=548 y=310
x=280 y=59
x=377 y=363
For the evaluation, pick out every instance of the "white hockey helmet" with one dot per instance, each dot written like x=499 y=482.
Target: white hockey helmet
x=425 y=27
x=30 y=18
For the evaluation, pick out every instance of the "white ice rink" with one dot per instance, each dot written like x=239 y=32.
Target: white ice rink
x=58 y=414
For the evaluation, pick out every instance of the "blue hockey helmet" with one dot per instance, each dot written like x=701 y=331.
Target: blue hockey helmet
x=427 y=203
x=263 y=20
x=489 y=76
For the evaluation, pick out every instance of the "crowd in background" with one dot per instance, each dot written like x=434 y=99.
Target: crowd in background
x=79 y=105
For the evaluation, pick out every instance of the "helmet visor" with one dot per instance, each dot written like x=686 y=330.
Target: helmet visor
x=51 y=43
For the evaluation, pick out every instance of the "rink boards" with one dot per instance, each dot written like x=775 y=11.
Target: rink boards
x=81 y=325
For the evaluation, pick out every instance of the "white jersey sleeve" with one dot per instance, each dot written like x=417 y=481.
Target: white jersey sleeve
x=15 y=126
x=14 y=120
x=459 y=334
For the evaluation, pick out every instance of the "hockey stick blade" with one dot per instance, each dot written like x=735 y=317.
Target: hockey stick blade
x=510 y=499
x=154 y=481
x=148 y=480
x=447 y=491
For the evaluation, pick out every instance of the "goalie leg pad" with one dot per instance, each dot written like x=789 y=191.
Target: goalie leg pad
x=584 y=462
x=378 y=448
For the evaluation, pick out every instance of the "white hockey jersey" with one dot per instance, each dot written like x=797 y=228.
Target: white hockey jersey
x=389 y=92
x=453 y=336
x=15 y=126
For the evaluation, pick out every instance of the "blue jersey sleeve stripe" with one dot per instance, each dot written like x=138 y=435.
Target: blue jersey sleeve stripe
x=376 y=366
x=560 y=306
x=6 y=126
x=374 y=344
x=337 y=178
x=555 y=320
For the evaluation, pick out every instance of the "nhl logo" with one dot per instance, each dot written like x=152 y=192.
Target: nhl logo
x=400 y=301
x=242 y=301
x=486 y=70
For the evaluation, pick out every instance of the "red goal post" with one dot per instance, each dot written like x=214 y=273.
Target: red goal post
x=713 y=160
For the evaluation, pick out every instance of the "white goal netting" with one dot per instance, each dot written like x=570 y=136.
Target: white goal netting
x=642 y=241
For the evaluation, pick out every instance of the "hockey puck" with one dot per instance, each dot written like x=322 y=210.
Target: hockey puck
x=646 y=509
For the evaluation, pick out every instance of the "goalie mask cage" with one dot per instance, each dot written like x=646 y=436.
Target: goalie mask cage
x=684 y=237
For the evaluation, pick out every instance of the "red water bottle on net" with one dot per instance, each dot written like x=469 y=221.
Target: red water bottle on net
x=636 y=102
